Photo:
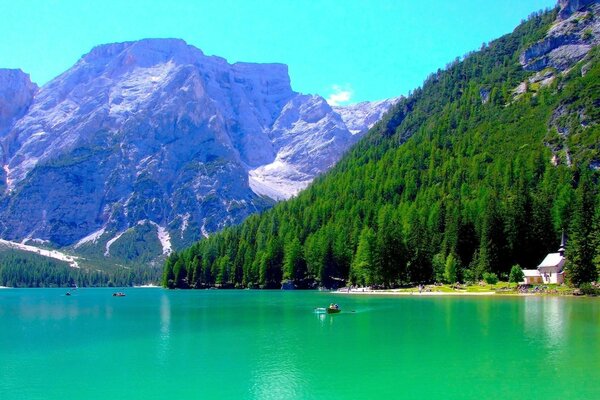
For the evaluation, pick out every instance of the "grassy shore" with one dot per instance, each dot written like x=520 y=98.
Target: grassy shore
x=478 y=289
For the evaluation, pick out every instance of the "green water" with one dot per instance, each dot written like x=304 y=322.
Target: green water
x=155 y=344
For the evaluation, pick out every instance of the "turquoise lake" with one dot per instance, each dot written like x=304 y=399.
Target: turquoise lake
x=211 y=344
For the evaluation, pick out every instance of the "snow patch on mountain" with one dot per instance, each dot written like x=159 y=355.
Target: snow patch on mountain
x=110 y=242
x=278 y=180
x=163 y=237
x=360 y=117
x=55 y=254
x=310 y=136
x=91 y=238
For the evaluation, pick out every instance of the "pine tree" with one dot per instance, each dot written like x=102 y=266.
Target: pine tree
x=450 y=271
x=168 y=279
x=596 y=236
x=294 y=266
x=363 y=270
x=180 y=274
x=516 y=274
x=580 y=248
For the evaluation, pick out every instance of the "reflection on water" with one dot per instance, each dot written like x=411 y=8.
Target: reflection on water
x=275 y=376
x=276 y=373
x=545 y=323
x=165 y=328
x=266 y=345
x=554 y=321
x=324 y=318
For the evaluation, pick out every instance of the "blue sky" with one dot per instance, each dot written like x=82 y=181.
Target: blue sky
x=347 y=50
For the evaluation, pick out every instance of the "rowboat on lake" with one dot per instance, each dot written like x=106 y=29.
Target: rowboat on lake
x=333 y=309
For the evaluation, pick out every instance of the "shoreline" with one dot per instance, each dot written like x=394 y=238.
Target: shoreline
x=434 y=294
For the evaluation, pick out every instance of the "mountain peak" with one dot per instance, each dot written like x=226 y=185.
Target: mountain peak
x=145 y=52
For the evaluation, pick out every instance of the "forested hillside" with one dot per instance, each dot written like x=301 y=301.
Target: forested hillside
x=24 y=269
x=464 y=176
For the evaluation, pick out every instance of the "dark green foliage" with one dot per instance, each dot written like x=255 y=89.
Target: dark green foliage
x=450 y=273
x=442 y=180
x=490 y=278
x=589 y=290
x=580 y=250
x=363 y=271
x=596 y=235
x=516 y=274
x=24 y=269
x=139 y=244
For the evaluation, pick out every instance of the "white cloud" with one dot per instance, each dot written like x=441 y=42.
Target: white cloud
x=340 y=96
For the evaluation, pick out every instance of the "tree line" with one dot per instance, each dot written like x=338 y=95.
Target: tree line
x=22 y=269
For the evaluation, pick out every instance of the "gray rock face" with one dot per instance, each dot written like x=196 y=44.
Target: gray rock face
x=309 y=137
x=16 y=95
x=568 y=7
x=569 y=40
x=156 y=133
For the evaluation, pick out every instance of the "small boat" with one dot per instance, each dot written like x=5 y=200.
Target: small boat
x=333 y=309
x=119 y=294
x=68 y=294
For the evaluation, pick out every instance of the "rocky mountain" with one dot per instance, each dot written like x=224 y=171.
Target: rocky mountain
x=309 y=137
x=569 y=40
x=148 y=145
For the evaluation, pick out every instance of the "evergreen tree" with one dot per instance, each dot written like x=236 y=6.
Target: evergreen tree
x=294 y=266
x=364 y=271
x=168 y=279
x=580 y=249
x=516 y=274
x=450 y=272
x=439 y=267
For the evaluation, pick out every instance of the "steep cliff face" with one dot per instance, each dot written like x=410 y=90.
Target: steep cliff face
x=568 y=7
x=16 y=95
x=155 y=135
x=569 y=40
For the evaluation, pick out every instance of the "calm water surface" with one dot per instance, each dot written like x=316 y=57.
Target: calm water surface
x=156 y=344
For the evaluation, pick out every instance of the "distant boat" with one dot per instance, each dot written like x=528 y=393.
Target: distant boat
x=119 y=294
x=334 y=309
x=68 y=294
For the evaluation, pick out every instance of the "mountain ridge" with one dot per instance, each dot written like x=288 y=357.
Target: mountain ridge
x=154 y=134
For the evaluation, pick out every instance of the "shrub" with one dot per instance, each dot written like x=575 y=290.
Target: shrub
x=589 y=290
x=490 y=278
